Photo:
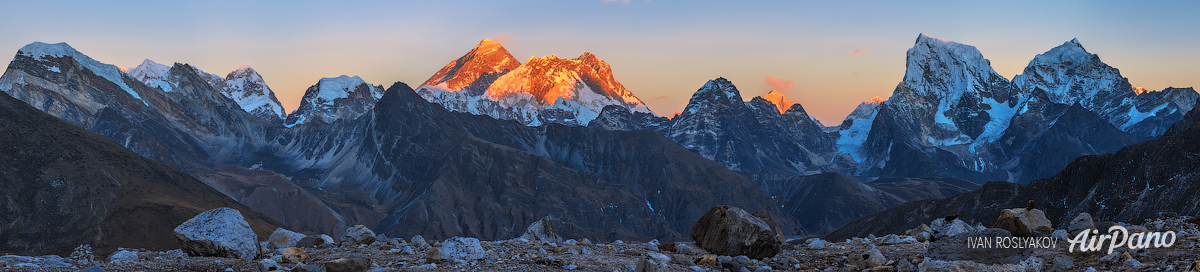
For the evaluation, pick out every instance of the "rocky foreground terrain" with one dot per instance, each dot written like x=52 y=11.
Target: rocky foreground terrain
x=220 y=240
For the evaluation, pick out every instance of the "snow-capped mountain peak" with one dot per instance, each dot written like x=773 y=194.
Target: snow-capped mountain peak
x=248 y=88
x=335 y=98
x=1069 y=53
x=488 y=57
x=781 y=102
x=149 y=71
x=489 y=81
x=719 y=89
x=340 y=87
x=930 y=54
x=41 y=51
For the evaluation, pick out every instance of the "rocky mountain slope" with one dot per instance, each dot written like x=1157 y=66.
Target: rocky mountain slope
x=954 y=116
x=65 y=186
x=752 y=137
x=489 y=81
x=244 y=85
x=824 y=202
x=404 y=165
x=439 y=174
x=1130 y=185
x=193 y=127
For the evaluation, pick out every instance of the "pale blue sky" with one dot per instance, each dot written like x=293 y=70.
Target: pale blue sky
x=661 y=50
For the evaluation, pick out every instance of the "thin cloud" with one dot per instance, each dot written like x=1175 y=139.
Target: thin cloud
x=783 y=86
x=503 y=38
x=859 y=52
x=656 y=98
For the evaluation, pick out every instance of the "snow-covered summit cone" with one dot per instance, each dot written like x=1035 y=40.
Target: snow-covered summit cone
x=489 y=81
x=149 y=71
x=955 y=87
x=1069 y=74
x=335 y=98
x=488 y=59
x=251 y=92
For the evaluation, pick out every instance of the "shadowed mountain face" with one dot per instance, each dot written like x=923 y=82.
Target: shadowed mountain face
x=184 y=121
x=824 y=202
x=1130 y=185
x=65 y=186
x=443 y=174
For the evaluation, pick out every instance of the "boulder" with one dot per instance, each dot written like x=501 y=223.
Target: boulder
x=419 y=242
x=1083 y=221
x=868 y=259
x=294 y=255
x=433 y=256
x=730 y=231
x=1030 y=221
x=653 y=262
x=358 y=235
x=817 y=244
x=1009 y=221
x=667 y=246
x=461 y=248
x=220 y=232
x=905 y=266
x=767 y=218
x=356 y=263
x=314 y=241
x=688 y=249
x=283 y=238
x=918 y=230
x=270 y=265
x=542 y=230
x=953 y=228
x=123 y=256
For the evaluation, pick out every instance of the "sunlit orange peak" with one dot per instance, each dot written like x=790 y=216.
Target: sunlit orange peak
x=875 y=99
x=781 y=102
x=1139 y=90
x=123 y=68
x=550 y=77
x=487 y=57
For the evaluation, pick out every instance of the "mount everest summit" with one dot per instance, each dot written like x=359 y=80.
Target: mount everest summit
x=489 y=81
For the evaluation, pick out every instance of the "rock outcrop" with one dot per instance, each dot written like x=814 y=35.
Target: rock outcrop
x=220 y=232
x=731 y=231
x=283 y=238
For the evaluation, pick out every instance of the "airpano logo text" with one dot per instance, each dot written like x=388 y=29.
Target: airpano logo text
x=1119 y=236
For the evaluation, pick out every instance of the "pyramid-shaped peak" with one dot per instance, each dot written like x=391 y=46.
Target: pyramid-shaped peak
x=781 y=102
x=1070 y=52
x=488 y=45
x=242 y=72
